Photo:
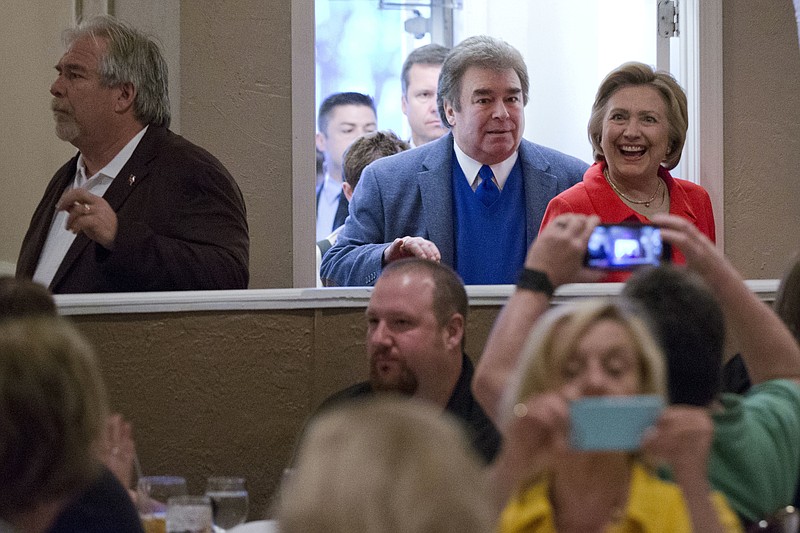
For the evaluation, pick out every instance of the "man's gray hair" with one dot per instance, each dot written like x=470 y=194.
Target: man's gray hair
x=132 y=57
x=479 y=51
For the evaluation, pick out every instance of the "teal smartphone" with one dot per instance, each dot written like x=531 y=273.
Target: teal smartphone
x=612 y=422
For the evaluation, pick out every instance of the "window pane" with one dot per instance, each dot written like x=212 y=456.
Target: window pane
x=569 y=47
x=362 y=48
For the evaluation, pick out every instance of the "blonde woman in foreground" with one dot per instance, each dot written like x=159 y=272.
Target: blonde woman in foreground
x=599 y=348
x=388 y=464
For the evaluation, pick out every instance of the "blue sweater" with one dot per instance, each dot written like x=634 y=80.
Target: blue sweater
x=490 y=242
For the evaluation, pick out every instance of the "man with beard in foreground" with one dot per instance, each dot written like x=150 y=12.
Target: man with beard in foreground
x=416 y=320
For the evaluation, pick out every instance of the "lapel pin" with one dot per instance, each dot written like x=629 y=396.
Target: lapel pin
x=131 y=179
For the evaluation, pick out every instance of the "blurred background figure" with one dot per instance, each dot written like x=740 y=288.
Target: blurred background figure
x=420 y=82
x=102 y=504
x=637 y=129
x=787 y=299
x=320 y=164
x=53 y=406
x=365 y=150
x=688 y=307
x=21 y=297
x=797 y=16
x=385 y=465
x=787 y=306
x=342 y=118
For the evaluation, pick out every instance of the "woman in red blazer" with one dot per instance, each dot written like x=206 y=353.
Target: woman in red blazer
x=637 y=129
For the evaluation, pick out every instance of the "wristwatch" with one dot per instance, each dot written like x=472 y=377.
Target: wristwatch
x=536 y=281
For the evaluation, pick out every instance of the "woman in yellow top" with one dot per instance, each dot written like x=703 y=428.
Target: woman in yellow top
x=600 y=348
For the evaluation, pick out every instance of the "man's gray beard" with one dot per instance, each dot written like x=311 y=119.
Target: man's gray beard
x=67 y=130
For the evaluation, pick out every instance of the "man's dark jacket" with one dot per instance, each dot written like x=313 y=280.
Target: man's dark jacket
x=182 y=225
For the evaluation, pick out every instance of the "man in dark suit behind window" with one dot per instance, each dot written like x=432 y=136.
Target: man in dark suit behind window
x=343 y=118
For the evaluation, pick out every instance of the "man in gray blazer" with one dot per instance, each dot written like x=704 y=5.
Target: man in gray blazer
x=474 y=199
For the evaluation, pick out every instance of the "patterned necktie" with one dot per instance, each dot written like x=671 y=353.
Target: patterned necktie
x=487 y=192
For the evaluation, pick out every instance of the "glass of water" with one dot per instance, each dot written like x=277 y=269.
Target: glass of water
x=189 y=514
x=151 y=502
x=229 y=501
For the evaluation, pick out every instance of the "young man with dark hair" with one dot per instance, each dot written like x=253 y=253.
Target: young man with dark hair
x=689 y=323
x=342 y=118
x=364 y=151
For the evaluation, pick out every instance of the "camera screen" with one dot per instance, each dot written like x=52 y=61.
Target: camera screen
x=625 y=246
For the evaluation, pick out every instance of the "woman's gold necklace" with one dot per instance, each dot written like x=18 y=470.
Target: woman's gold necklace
x=645 y=203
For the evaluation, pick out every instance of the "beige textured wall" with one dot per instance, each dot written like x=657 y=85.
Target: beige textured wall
x=761 y=75
x=236 y=102
x=29 y=150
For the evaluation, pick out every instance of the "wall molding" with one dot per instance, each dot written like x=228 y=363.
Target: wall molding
x=326 y=298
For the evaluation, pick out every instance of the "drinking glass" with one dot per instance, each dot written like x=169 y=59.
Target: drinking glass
x=151 y=502
x=228 y=501
x=189 y=514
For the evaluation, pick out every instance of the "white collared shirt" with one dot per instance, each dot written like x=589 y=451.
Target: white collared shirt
x=471 y=167
x=59 y=239
x=327 y=206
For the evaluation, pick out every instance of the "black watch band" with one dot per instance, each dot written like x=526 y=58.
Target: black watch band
x=536 y=281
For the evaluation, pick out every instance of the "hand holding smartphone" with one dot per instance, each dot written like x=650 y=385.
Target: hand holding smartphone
x=626 y=247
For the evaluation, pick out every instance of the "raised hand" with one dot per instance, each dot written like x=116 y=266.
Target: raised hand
x=89 y=214
x=559 y=249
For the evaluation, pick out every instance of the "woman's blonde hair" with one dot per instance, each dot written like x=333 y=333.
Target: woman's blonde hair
x=385 y=464
x=542 y=359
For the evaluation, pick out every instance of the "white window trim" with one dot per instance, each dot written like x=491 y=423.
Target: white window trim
x=245 y=300
x=701 y=67
x=304 y=166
